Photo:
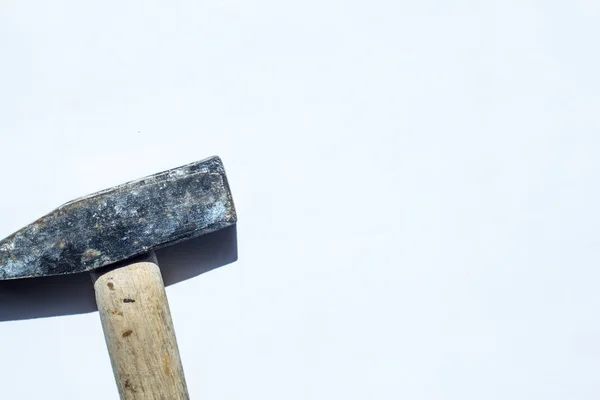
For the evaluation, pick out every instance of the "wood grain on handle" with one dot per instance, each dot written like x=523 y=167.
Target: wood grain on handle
x=139 y=332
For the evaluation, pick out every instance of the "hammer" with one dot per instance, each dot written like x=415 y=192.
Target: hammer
x=113 y=234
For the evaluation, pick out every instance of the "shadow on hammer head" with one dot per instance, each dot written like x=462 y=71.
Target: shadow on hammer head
x=186 y=214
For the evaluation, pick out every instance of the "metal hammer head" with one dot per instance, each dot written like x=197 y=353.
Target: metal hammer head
x=122 y=222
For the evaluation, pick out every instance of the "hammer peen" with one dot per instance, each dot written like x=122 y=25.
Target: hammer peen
x=113 y=234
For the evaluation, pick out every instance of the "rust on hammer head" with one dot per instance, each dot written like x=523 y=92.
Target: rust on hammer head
x=122 y=222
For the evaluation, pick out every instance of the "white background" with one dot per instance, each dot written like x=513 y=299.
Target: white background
x=416 y=184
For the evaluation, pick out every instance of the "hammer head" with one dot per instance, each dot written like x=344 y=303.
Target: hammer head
x=122 y=222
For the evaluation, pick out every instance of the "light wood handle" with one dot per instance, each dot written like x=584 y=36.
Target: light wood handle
x=139 y=332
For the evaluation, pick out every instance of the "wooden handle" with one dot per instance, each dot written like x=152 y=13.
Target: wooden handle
x=139 y=332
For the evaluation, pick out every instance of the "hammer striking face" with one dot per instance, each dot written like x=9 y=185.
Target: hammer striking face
x=122 y=222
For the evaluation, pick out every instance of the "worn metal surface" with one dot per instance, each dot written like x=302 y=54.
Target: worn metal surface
x=122 y=222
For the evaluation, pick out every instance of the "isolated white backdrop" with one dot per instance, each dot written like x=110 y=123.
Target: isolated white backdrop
x=416 y=183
